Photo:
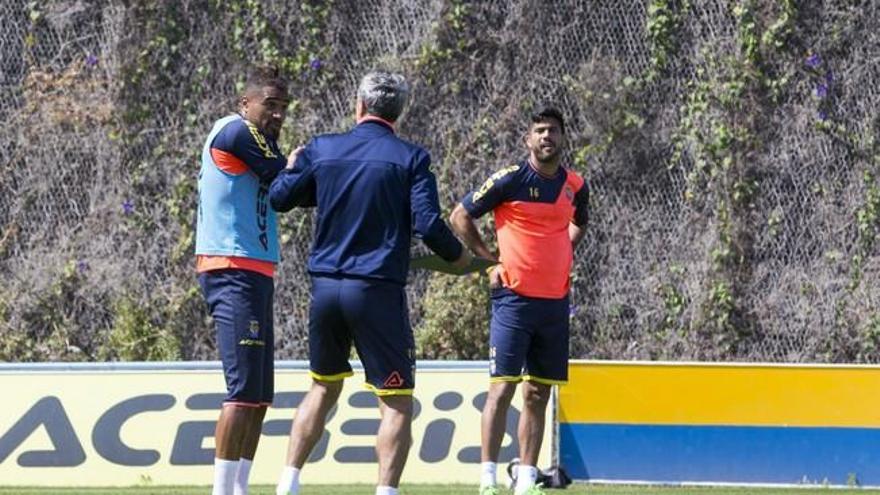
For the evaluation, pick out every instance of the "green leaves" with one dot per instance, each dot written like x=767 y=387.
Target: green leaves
x=662 y=31
x=456 y=322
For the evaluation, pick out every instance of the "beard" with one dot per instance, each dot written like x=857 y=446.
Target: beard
x=547 y=156
x=271 y=131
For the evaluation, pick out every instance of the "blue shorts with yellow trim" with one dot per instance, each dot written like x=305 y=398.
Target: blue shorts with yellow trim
x=373 y=315
x=240 y=301
x=528 y=338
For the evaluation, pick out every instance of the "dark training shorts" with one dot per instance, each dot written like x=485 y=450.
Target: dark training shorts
x=241 y=303
x=373 y=315
x=528 y=338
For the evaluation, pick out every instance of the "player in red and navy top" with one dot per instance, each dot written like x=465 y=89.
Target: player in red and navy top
x=236 y=253
x=540 y=210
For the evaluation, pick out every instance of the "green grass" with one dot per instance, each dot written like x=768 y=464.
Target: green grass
x=443 y=490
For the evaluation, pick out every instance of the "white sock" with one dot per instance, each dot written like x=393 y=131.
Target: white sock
x=487 y=476
x=224 y=476
x=386 y=490
x=241 y=476
x=525 y=478
x=289 y=482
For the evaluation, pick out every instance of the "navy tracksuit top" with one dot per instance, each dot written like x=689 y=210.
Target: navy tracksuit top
x=373 y=191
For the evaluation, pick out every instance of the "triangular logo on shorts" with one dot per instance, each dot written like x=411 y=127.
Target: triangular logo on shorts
x=393 y=381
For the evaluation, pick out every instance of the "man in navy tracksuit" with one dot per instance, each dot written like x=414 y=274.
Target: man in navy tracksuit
x=373 y=191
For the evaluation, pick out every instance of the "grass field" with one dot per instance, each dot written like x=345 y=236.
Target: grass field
x=444 y=490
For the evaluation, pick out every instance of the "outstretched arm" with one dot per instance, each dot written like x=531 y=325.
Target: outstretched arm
x=295 y=185
x=428 y=224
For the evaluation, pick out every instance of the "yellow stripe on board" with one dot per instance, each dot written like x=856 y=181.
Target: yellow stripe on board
x=717 y=394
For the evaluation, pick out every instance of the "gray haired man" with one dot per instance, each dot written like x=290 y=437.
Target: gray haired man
x=373 y=192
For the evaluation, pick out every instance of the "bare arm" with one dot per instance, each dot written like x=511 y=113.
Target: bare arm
x=463 y=225
x=576 y=234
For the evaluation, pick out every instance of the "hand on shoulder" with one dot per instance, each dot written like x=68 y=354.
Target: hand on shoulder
x=291 y=158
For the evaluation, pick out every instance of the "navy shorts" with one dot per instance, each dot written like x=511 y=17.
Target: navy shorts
x=373 y=315
x=240 y=301
x=528 y=338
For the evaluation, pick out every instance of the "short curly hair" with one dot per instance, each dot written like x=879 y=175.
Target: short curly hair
x=262 y=76
x=542 y=113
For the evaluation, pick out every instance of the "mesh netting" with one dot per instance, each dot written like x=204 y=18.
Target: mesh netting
x=104 y=106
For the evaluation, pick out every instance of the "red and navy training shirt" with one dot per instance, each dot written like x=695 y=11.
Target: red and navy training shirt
x=532 y=215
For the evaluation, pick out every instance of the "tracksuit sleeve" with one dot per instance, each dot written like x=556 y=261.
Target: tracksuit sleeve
x=296 y=187
x=428 y=223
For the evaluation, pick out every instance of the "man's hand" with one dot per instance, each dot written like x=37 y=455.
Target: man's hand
x=464 y=260
x=291 y=158
x=495 y=281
